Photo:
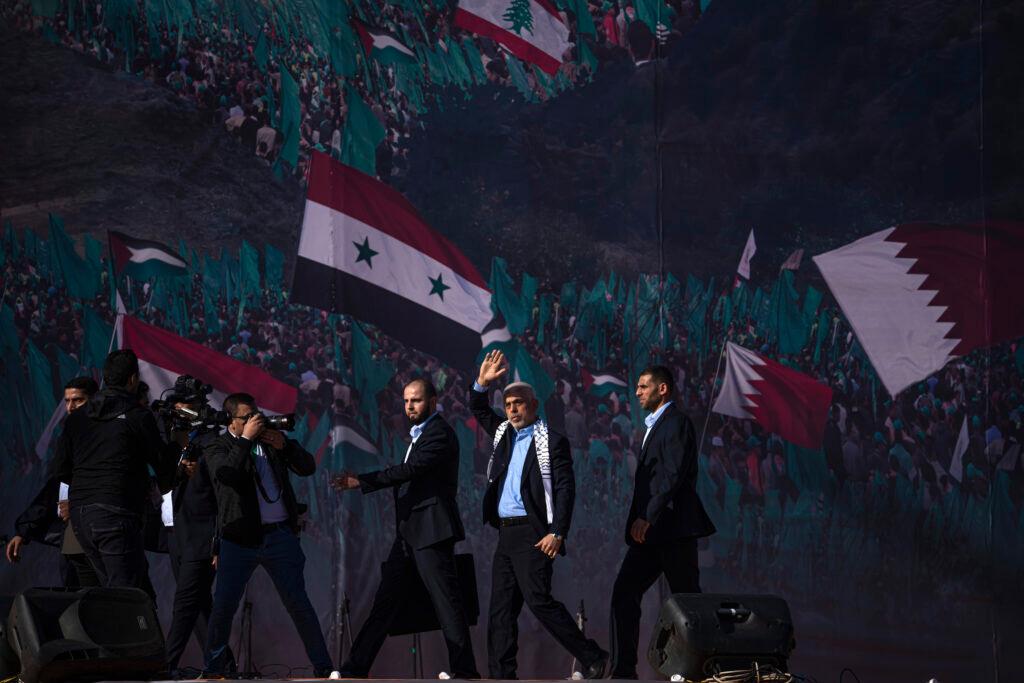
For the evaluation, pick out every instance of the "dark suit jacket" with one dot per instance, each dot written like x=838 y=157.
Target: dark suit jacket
x=425 y=486
x=665 y=490
x=195 y=506
x=233 y=471
x=563 y=481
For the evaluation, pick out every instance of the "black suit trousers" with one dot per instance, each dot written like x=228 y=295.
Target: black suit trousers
x=643 y=564
x=436 y=567
x=522 y=573
x=193 y=597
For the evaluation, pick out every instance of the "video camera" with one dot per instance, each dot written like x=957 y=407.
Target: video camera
x=201 y=415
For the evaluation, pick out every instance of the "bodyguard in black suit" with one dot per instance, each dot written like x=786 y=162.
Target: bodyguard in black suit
x=530 y=493
x=428 y=526
x=665 y=519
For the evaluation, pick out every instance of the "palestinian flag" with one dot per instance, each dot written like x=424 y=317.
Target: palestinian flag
x=353 y=447
x=603 y=384
x=780 y=399
x=532 y=30
x=920 y=294
x=163 y=356
x=365 y=251
x=383 y=46
x=143 y=259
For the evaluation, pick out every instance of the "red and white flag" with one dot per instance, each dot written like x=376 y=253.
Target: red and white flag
x=365 y=251
x=532 y=30
x=780 y=399
x=920 y=294
x=163 y=356
x=748 y=253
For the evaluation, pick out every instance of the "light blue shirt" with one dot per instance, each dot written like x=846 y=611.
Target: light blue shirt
x=415 y=432
x=511 y=502
x=270 y=512
x=652 y=420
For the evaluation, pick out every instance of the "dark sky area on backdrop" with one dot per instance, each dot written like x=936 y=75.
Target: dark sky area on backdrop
x=814 y=123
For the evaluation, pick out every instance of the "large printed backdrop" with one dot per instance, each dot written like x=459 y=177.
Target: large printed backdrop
x=607 y=203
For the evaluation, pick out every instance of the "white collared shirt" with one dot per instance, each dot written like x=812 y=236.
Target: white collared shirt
x=652 y=420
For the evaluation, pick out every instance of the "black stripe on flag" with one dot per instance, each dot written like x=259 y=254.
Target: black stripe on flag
x=335 y=291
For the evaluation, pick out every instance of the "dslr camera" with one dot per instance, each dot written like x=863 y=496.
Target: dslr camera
x=198 y=415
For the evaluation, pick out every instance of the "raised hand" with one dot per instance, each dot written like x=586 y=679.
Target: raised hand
x=493 y=367
x=344 y=481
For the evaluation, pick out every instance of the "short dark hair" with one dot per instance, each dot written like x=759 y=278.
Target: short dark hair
x=661 y=375
x=232 y=402
x=87 y=385
x=429 y=390
x=119 y=367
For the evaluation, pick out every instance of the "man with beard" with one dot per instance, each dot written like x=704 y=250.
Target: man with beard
x=665 y=519
x=428 y=526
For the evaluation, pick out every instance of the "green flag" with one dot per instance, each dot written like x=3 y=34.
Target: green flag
x=40 y=399
x=81 y=279
x=363 y=133
x=249 y=259
x=96 y=336
x=516 y=307
x=273 y=268
x=370 y=377
x=291 y=118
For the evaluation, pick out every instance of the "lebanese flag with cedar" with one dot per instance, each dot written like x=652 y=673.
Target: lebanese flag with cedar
x=780 y=399
x=532 y=30
x=920 y=294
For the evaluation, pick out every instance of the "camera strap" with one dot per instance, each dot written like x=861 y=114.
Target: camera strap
x=259 y=480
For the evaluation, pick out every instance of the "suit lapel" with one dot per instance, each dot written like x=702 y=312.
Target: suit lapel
x=654 y=430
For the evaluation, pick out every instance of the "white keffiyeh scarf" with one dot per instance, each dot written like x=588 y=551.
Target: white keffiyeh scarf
x=542 y=446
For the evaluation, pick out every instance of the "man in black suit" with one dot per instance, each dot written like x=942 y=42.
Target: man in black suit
x=257 y=522
x=530 y=493
x=191 y=539
x=428 y=526
x=665 y=519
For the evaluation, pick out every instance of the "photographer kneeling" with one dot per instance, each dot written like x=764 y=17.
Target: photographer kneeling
x=258 y=522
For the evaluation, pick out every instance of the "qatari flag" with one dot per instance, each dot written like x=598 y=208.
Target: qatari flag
x=163 y=356
x=780 y=399
x=532 y=30
x=920 y=294
x=365 y=251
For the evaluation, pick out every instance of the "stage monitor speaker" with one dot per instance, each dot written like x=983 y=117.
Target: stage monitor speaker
x=418 y=616
x=85 y=634
x=701 y=634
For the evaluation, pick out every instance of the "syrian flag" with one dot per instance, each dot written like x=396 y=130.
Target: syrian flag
x=920 y=294
x=163 y=356
x=383 y=46
x=143 y=259
x=603 y=384
x=748 y=253
x=532 y=30
x=365 y=251
x=780 y=399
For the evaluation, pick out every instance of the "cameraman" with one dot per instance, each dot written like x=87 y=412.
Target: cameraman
x=258 y=525
x=104 y=453
x=191 y=535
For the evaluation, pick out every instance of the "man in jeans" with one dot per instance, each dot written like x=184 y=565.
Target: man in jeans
x=105 y=453
x=257 y=518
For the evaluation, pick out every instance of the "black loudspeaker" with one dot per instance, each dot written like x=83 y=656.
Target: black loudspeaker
x=701 y=634
x=418 y=616
x=86 y=634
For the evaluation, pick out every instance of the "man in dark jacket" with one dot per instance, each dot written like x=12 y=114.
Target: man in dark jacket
x=530 y=493
x=105 y=453
x=665 y=518
x=191 y=540
x=428 y=525
x=257 y=519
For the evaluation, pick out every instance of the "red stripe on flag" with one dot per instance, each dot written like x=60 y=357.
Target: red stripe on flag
x=523 y=49
x=550 y=8
x=355 y=194
x=118 y=250
x=185 y=357
x=364 y=35
x=790 y=404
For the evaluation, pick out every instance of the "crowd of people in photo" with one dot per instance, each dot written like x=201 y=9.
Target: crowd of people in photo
x=785 y=515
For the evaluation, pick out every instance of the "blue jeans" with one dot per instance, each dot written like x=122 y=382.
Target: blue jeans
x=281 y=555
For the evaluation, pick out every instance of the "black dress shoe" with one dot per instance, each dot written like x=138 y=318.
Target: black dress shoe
x=598 y=668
